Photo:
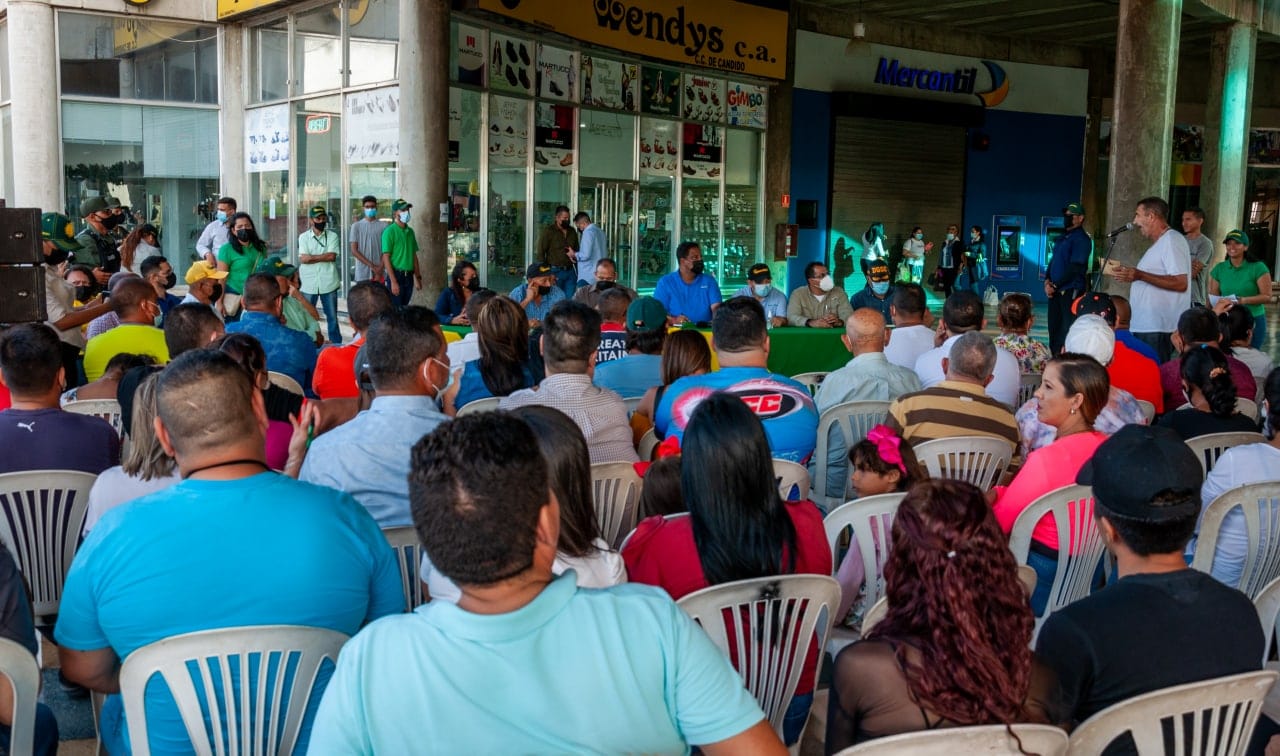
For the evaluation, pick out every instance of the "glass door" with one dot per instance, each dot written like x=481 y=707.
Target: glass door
x=613 y=208
x=655 y=223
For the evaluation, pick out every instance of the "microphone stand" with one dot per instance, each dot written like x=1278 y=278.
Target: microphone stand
x=1097 y=277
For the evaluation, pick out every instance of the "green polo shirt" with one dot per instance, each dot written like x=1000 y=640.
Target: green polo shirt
x=1241 y=281
x=400 y=243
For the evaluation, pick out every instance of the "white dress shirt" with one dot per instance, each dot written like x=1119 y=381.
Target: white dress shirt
x=1003 y=387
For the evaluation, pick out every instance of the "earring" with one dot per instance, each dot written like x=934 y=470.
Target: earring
x=1073 y=410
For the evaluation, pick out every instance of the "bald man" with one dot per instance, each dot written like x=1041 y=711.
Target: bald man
x=869 y=376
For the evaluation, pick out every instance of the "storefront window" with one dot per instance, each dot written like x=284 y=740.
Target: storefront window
x=374 y=28
x=465 y=127
x=269 y=59
x=317 y=50
x=553 y=156
x=269 y=207
x=741 y=205
x=137 y=58
x=508 y=192
x=608 y=145
x=319 y=159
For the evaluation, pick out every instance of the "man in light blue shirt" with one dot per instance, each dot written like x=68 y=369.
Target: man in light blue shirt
x=760 y=286
x=525 y=661
x=233 y=544
x=869 y=376
x=591 y=251
x=690 y=295
x=368 y=456
x=539 y=293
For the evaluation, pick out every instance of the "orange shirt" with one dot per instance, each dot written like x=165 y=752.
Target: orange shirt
x=1137 y=374
x=335 y=376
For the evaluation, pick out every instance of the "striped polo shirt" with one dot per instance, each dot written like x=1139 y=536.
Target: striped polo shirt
x=951 y=408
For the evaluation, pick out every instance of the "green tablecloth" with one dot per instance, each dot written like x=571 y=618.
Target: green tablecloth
x=791 y=350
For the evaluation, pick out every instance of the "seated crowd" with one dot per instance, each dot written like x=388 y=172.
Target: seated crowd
x=240 y=502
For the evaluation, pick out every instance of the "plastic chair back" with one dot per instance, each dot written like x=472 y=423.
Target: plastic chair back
x=1267 y=602
x=253 y=684
x=984 y=739
x=648 y=444
x=615 y=488
x=286 y=382
x=1148 y=410
x=404 y=542
x=632 y=403
x=1080 y=544
x=20 y=666
x=487 y=404
x=626 y=539
x=979 y=460
x=1027 y=386
x=791 y=476
x=765 y=626
x=1260 y=505
x=852 y=421
x=1211 y=445
x=871 y=519
x=41 y=516
x=1208 y=717
x=810 y=381
x=107 y=409
x=1248 y=408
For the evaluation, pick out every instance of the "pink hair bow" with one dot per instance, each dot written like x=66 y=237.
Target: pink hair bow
x=888 y=445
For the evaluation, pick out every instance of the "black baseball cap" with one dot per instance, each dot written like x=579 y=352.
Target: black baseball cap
x=1138 y=463
x=759 y=272
x=1095 y=303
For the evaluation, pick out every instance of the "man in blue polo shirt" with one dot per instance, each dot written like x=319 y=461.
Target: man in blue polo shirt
x=740 y=339
x=288 y=351
x=689 y=295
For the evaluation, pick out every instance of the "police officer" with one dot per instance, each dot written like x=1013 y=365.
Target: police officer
x=98 y=247
x=1065 y=279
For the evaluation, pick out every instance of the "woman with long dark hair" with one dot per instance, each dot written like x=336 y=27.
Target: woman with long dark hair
x=502 y=328
x=464 y=280
x=240 y=257
x=1211 y=393
x=738 y=526
x=953 y=649
x=683 y=353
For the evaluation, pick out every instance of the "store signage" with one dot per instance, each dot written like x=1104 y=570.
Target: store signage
x=748 y=105
x=469 y=48
x=373 y=126
x=660 y=91
x=132 y=34
x=317 y=125
x=893 y=73
x=722 y=34
x=609 y=83
x=266 y=139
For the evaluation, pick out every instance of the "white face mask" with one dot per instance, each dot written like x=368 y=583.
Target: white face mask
x=827 y=283
x=951 y=236
x=404 y=216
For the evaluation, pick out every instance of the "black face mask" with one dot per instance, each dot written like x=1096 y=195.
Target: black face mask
x=113 y=220
x=171 y=281
x=564 y=224
x=473 y=285
x=602 y=285
x=698 y=267
x=216 y=294
x=83 y=293
x=244 y=234
x=56 y=257
x=320 y=226
x=544 y=290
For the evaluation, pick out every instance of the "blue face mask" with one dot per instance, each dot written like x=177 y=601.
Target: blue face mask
x=404 y=216
x=370 y=212
x=880 y=288
x=762 y=290
x=221 y=216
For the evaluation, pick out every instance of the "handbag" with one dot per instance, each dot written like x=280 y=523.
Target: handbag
x=991 y=297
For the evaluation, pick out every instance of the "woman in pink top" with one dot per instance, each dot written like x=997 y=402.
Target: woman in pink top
x=1074 y=390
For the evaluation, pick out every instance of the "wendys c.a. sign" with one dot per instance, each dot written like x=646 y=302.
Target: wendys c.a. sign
x=724 y=35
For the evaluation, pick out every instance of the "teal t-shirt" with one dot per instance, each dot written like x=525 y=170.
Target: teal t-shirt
x=262 y=550
x=1241 y=281
x=621 y=670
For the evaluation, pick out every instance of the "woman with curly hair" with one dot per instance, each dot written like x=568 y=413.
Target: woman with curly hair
x=1211 y=396
x=953 y=649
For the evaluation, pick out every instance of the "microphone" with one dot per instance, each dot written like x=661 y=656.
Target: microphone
x=1121 y=230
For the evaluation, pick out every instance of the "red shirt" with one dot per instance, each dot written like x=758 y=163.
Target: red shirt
x=662 y=553
x=335 y=376
x=1171 y=381
x=1136 y=373
x=6 y=401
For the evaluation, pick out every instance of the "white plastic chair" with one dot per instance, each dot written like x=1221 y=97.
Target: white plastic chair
x=1027 y=386
x=789 y=476
x=850 y=422
x=487 y=404
x=107 y=409
x=1267 y=602
x=1260 y=505
x=811 y=380
x=1208 y=717
x=989 y=739
x=41 y=516
x=1248 y=408
x=20 y=666
x=1148 y=410
x=871 y=520
x=648 y=443
x=404 y=541
x=632 y=403
x=1071 y=508
x=288 y=383
x=979 y=460
x=235 y=677
x=765 y=625
x=615 y=487
x=1211 y=446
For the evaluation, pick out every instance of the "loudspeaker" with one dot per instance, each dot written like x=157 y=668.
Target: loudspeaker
x=20 y=242
x=22 y=294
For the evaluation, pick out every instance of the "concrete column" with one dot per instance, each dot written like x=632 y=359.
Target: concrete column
x=1090 y=195
x=232 y=178
x=777 y=141
x=33 y=68
x=423 y=173
x=1142 y=120
x=1226 y=129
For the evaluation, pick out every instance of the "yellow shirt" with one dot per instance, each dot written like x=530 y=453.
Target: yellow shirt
x=123 y=339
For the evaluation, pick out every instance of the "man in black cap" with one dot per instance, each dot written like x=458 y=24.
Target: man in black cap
x=95 y=240
x=1161 y=623
x=878 y=293
x=539 y=293
x=1064 y=280
x=760 y=286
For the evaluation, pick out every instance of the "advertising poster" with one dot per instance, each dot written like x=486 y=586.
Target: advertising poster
x=660 y=91
x=1008 y=234
x=266 y=139
x=748 y=105
x=553 y=137
x=512 y=61
x=373 y=126
x=469 y=47
x=455 y=125
x=659 y=147
x=703 y=98
x=609 y=83
x=1052 y=227
x=703 y=150
x=508 y=131
x=557 y=73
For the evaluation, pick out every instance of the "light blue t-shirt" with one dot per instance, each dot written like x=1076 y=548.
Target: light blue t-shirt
x=692 y=300
x=630 y=376
x=621 y=670
x=202 y=555
x=368 y=456
x=774 y=303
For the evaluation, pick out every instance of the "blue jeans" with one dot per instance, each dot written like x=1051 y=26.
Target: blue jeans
x=330 y=303
x=45 y=742
x=1259 y=331
x=566 y=278
x=797 y=714
x=1046 y=570
x=405 y=279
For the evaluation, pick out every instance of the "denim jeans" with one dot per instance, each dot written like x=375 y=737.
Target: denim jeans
x=1259 y=331
x=1046 y=570
x=797 y=714
x=329 y=302
x=405 y=279
x=566 y=279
